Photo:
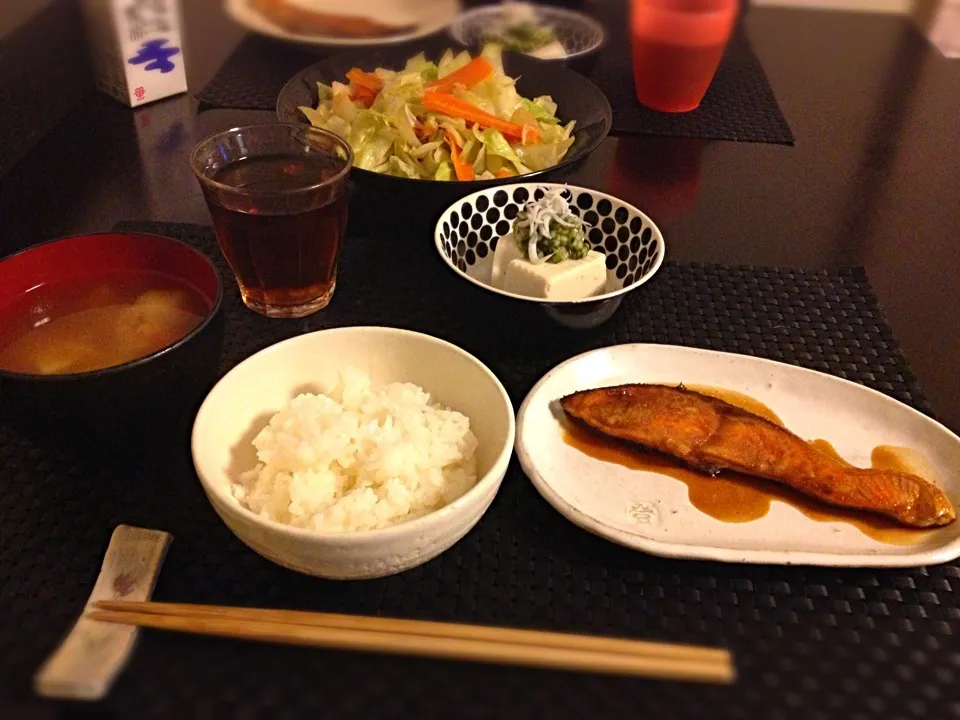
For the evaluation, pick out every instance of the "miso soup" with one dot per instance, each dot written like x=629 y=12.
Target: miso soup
x=62 y=328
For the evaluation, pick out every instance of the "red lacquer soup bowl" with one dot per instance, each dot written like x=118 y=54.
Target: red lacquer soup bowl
x=107 y=338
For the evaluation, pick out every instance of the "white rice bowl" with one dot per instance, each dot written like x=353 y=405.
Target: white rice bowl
x=355 y=457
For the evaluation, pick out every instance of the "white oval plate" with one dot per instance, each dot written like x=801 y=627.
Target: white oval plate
x=651 y=512
x=429 y=18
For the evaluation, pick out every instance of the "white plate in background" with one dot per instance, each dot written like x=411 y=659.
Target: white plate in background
x=428 y=16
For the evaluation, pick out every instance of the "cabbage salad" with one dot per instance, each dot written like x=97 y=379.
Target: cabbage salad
x=459 y=119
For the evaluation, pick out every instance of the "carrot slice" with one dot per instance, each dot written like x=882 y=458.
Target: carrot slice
x=464 y=170
x=504 y=173
x=363 y=95
x=475 y=71
x=364 y=86
x=530 y=134
x=455 y=107
x=365 y=79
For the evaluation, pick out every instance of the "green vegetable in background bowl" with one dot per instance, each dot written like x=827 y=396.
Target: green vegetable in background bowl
x=519 y=30
x=523 y=37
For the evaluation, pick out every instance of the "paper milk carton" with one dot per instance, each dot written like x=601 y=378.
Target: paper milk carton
x=137 y=54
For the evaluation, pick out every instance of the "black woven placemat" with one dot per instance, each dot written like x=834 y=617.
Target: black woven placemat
x=739 y=105
x=809 y=642
x=254 y=74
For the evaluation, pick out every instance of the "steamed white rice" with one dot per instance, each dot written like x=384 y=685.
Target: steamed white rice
x=358 y=458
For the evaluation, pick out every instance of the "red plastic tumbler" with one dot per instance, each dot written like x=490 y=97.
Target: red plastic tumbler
x=677 y=46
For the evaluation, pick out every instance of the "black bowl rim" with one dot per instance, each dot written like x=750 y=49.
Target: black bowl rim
x=468 y=185
x=454 y=29
x=113 y=369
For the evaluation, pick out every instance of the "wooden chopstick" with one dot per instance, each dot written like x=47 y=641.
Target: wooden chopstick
x=431 y=639
x=485 y=633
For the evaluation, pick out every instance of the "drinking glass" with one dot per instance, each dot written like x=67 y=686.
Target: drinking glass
x=277 y=194
x=677 y=46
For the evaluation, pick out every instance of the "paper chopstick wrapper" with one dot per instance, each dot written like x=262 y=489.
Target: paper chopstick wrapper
x=136 y=48
x=93 y=653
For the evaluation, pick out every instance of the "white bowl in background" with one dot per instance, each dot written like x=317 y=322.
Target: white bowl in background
x=242 y=402
x=580 y=35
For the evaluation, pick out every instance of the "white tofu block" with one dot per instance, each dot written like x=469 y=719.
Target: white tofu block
x=569 y=280
x=506 y=252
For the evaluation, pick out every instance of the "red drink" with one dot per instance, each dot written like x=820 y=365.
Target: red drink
x=677 y=46
x=278 y=198
x=683 y=87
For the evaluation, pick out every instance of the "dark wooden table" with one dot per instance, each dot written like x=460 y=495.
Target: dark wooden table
x=872 y=179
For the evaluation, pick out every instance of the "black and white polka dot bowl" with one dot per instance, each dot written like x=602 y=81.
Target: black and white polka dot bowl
x=581 y=36
x=467 y=233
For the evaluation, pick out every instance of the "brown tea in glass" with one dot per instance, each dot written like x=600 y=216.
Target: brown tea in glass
x=278 y=198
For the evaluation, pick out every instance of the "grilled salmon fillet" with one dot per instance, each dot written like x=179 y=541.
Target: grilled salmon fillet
x=710 y=435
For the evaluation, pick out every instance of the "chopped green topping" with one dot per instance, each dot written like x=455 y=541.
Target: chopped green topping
x=547 y=229
x=564 y=242
x=522 y=37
